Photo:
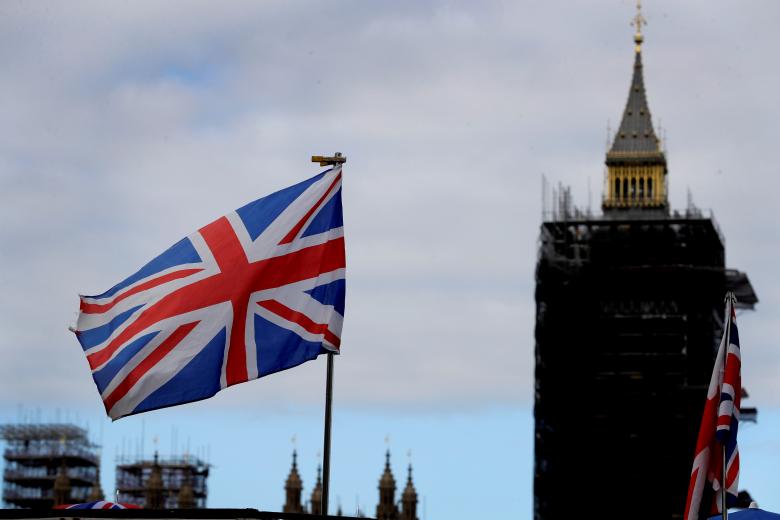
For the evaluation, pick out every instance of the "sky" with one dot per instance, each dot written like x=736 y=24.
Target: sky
x=127 y=125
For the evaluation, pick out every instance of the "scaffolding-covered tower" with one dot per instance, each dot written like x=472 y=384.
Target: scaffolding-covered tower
x=629 y=312
x=35 y=454
x=183 y=482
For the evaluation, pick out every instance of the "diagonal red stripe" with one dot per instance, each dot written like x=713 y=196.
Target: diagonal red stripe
x=301 y=265
x=301 y=319
x=96 y=308
x=265 y=274
x=295 y=230
x=235 y=281
x=150 y=361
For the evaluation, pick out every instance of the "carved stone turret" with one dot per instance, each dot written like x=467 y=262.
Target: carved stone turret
x=316 y=494
x=387 y=508
x=293 y=489
x=409 y=499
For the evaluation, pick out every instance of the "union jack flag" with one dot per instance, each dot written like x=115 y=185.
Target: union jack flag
x=718 y=428
x=257 y=291
x=100 y=504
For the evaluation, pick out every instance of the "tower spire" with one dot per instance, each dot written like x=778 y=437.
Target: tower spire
x=316 y=494
x=409 y=498
x=636 y=164
x=293 y=488
x=387 y=508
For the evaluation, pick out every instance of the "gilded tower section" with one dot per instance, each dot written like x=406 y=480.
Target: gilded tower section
x=636 y=164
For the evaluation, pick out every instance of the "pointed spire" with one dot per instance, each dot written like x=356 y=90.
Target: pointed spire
x=636 y=164
x=294 y=479
x=293 y=488
x=387 y=509
x=409 y=499
x=636 y=134
x=409 y=491
x=387 y=481
x=316 y=494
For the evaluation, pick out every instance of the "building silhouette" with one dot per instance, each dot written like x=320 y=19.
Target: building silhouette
x=47 y=465
x=175 y=482
x=293 y=488
x=387 y=508
x=629 y=312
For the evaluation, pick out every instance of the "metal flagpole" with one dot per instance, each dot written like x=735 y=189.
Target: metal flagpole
x=326 y=447
x=724 y=494
x=327 y=161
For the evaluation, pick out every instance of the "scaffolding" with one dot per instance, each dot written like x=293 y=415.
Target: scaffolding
x=133 y=475
x=629 y=312
x=35 y=453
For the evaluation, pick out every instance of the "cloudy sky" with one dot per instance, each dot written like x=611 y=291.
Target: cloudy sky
x=127 y=125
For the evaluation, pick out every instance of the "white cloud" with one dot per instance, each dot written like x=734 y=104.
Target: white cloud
x=126 y=126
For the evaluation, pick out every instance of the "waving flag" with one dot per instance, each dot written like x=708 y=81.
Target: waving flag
x=257 y=291
x=718 y=428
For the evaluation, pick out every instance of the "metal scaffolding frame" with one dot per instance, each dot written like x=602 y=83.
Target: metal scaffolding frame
x=628 y=316
x=35 y=453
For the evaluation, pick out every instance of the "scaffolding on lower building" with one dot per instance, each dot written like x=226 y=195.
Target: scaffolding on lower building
x=33 y=456
x=132 y=477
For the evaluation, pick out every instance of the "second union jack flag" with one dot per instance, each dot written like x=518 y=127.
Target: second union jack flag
x=257 y=291
x=718 y=429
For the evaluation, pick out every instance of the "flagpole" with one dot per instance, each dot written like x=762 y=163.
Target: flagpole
x=724 y=493
x=723 y=497
x=326 y=447
x=336 y=160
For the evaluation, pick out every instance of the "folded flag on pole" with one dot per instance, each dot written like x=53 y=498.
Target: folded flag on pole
x=718 y=429
x=257 y=291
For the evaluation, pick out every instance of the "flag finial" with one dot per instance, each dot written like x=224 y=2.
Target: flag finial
x=324 y=160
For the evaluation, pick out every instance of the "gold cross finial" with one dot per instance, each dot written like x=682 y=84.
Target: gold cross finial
x=638 y=22
x=337 y=158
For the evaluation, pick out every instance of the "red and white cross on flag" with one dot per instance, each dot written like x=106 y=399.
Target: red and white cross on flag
x=718 y=431
x=254 y=292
